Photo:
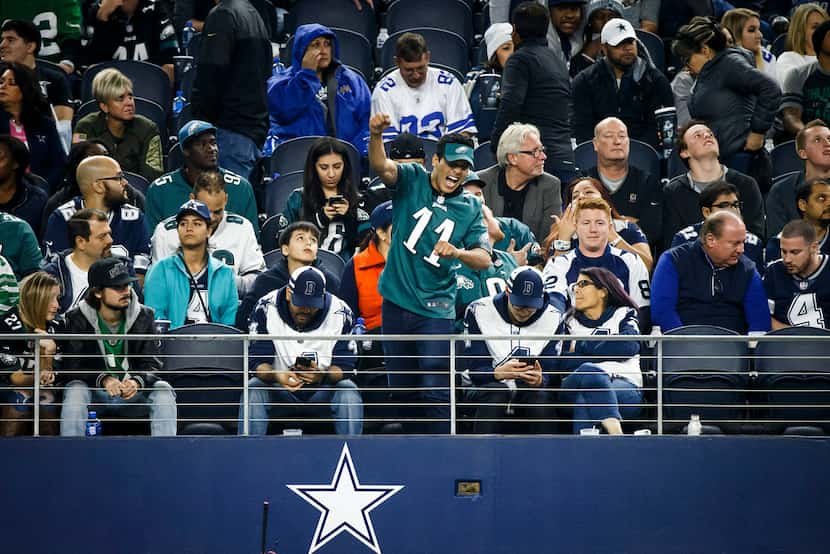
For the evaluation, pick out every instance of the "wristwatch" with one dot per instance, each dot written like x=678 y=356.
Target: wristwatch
x=562 y=245
x=616 y=241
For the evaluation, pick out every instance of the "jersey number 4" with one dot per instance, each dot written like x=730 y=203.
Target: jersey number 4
x=805 y=311
x=444 y=231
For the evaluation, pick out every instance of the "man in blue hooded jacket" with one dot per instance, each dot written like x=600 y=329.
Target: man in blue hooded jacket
x=317 y=94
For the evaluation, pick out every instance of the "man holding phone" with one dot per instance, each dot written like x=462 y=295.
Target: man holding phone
x=303 y=377
x=513 y=372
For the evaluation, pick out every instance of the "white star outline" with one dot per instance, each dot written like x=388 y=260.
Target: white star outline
x=344 y=505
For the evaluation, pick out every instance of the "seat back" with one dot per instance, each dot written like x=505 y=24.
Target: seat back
x=149 y=80
x=445 y=47
x=794 y=378
x=331 y=261
x=785 y=159
x=454 y=16
x=290 y=156
x=484 y=157
x=175 y=158
x=334 y=13
x=278 y=190
x=708 y=378
x=272 y=257
x=654 y=45
x=270 y=232
x=585 y=157
x=207 y=377
x=779 y=45
x=139 y=182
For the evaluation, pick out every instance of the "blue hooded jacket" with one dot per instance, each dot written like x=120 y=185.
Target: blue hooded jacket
x=293 y=103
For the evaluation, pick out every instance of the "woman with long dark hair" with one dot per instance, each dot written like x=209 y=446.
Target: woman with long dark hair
x=26 y=115
x=605 y=383
x=328 y=198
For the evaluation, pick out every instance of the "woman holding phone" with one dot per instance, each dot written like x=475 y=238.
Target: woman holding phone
x=328 y=198
x=605 y=382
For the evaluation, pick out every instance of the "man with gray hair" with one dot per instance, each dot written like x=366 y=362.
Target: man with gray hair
x=518 y=186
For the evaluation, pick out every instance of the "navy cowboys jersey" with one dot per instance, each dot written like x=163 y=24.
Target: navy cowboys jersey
x=774 y=247
x=796 y=301
x=753 y=247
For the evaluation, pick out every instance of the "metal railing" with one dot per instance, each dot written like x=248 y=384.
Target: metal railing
x=663 y=398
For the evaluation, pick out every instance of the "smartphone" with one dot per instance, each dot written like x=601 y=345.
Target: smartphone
x=303 y=361
x=528 y=361
x=337 y=199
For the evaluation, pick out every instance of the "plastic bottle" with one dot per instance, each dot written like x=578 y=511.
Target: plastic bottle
x=93 y=425
x=360 y=329
x=383 y=34
x=271 y=143
x=187 y=34
x=694 y=427
x=178 y=103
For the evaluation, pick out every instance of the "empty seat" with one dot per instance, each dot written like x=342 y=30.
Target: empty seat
x=785 y=159
x=149 y=81
x=484 y=157
x=446 y=49
x=654 y=45
x=139 y=182
x=449 y=15
x=270 y=233
x=334 y=13
x=278 y=190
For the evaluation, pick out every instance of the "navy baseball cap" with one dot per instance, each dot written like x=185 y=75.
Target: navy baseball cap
x=193 y=207
x=109 y=272
x=526 y=288
x=381 y=215
x=192 y=129
x=308 y=287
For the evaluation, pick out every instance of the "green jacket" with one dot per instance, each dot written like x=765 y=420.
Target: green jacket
x=19 y=245
x=138 y=151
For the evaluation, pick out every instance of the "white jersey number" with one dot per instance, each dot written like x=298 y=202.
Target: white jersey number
x=805 y=311
x=444 y=230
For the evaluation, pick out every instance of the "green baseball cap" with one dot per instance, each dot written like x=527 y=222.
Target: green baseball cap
x=455 y=152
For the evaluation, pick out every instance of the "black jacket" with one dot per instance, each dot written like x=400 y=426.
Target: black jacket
x=536 y=89
x=640 y=196
x=28 y=203
x=233 y=66
x=680 y=207
x=272 y=279
x=17 y=354
x=84 y=359
x=734 y=98
x=643 y=89
x=781 y=203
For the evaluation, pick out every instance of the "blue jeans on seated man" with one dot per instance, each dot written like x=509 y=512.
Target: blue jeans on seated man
x=341 y=402
x=237 y=153
x=596 y=396
x=78 y=398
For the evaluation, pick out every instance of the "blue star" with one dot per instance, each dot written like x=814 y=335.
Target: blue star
x=344 y=505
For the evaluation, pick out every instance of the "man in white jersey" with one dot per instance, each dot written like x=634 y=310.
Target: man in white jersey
x=421 y=100
x=232 y=238
x=306 y=376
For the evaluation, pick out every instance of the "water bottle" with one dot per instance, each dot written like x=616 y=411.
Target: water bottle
x=360 y=329
x=271 y=143
x=187 y=34
x=93 y=425
x=178 y=103
x=694 y=427
x=383 y=34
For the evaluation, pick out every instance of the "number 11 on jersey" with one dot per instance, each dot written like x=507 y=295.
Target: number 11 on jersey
x=444 y=231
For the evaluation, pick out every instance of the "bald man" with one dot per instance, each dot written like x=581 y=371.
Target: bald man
x=103 y=187
x=710 y=282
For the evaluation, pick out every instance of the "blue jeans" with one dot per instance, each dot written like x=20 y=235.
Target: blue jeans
x=78 y=396
x=424 y=365
x=340 y=401
x=596 y=396
x=237 y=153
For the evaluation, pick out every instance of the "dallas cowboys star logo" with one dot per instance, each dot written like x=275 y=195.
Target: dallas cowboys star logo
x=344 y=505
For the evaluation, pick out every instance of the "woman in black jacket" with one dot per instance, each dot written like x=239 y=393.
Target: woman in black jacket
x=737 y=101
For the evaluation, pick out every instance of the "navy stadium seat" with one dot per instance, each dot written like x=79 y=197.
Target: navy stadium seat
x=708 y=378
x=334 y=13
x=270 y=233
x=641 y=155
x=446 y=49
x=355 y=52
x=779 y=45
x=453 y=15
x=149 y=81
x=654 y=45
x=278 y=190
x=785 y=159
x=139 y=182
x=787 y=367
x=484 y=157
x=207 y=377
x=291 y=155
x=175 y=158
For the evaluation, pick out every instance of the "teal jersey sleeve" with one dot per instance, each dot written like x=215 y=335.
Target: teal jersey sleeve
x=294 y=206
x=515 y=230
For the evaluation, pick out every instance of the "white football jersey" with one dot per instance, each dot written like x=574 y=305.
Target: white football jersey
x=234 y=242
x=437 y=107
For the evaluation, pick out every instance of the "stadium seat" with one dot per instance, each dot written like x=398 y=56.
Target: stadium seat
x=291 y=155
x=175 y=158
x=785 y=367
x=147 y=108
x=708 y=378
x=272 y=257
x=641 y=155
x=453 y=15
x=207 y=377
x=654 y=45
x=334 y=13
x=675 y=166
x=149 y=81
x=446 y=49
x=484 y=102
x=139 y=182
x=278 y=190
x=355 y=52
x=328 y=260
x=184 y=116
x=270 y=233
x=785 y=159
x=484 y=157
x=779 y=45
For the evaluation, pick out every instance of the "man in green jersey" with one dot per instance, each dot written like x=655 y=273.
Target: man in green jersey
x=437 y=227
x=197 y=139
x=59 y=22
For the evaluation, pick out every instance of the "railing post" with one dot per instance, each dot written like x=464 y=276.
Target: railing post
x=36 y=399
x=452 y=387
x=246 y=414
x=660 y=385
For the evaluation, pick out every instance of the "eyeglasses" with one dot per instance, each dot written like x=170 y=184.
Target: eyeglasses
x=584 y=283
x=717 y=286
x=726 y=205
x=536 y=152
x=116 y=177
